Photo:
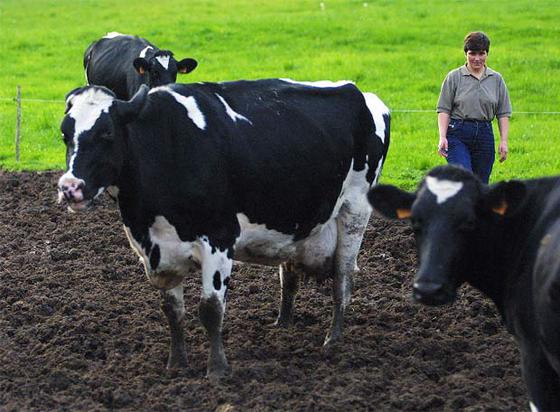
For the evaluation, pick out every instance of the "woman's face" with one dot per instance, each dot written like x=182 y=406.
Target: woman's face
x=476 y=59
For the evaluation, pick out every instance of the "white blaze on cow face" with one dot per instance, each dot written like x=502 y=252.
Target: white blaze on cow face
x=232 y=113
x=164 y=61
x=189 y=103
x=144 y=51
x=443 y=189
x=86 y=109
x=377 y=109
x=320 y=83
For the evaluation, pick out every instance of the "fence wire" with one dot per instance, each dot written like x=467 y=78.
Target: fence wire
x=13 y=99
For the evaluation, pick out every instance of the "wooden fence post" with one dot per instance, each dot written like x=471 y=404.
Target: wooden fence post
x=18 y=122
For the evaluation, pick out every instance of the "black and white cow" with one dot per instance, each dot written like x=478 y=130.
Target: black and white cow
x=504 y=240
x=273 y=172
x=123 y=63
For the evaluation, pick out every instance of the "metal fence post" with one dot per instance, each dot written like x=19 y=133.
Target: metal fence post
x=18 y=122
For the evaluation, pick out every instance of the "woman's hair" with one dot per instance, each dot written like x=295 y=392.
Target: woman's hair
x=477 y=41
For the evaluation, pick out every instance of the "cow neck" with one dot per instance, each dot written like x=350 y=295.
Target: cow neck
x=505 y=249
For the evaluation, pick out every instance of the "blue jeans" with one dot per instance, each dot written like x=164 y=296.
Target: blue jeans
x=471 y=144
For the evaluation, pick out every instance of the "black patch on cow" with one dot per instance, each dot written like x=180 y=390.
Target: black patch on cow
x=217 y=280
x=226 y=284
x=155 y=256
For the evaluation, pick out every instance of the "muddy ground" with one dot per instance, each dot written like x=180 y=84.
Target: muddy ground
x=81 y=328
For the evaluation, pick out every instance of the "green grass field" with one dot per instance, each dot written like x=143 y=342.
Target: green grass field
x=400 y=50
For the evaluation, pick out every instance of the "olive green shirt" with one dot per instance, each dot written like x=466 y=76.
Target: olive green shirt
x=463 y=96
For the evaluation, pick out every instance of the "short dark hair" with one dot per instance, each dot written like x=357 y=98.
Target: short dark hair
x=476 y=41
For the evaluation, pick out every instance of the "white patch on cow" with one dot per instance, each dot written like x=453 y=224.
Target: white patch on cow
x=164 y=61
x=354 y=189
x=174 y=253
x=213 y=260
x=144 y=51
x=175 y=256
x=378 y=170
x=86 y=109
x=443 y=189
x=189 y=103
x=320 y=83
x=533 y=407
x=232 y=113
x=258 y=244
x=319 y=247
x=377 y=109
x=113 y=34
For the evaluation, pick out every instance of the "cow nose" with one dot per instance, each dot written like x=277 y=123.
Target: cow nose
x=72 y=189
x=429 y=293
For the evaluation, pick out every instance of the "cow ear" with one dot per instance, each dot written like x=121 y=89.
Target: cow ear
x=391 y=201
x=141 y=65
x=186 y=65
x=505 y=198
x=129 y=110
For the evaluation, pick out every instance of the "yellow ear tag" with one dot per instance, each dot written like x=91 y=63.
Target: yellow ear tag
x=502 y=209
x=403 y=213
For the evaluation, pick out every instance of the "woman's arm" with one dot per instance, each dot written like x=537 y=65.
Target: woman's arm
x=443 y=123
x=503 y=125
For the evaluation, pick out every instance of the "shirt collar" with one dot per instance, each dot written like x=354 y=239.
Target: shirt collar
x=487 y=71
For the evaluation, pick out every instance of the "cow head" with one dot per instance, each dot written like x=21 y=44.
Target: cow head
x=451 y=213
x=162 y=68
x=93 y=132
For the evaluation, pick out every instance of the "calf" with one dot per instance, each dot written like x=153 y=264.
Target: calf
x=505 y=241
x=273 y=172
x=123 y=63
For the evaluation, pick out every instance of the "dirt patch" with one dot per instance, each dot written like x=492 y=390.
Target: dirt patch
x=81 y=328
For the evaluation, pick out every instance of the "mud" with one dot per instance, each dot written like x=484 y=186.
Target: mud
x=81 y=328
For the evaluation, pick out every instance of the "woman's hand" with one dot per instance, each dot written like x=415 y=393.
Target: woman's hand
x=503 y=151
x=442 y=147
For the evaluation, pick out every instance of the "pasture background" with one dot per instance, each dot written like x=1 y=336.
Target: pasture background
x=401 y=50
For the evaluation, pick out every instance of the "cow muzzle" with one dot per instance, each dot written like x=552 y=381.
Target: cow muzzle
x=71 y=190
x=432 y=294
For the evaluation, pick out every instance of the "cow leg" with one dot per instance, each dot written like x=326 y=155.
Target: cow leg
x=541 y=379
x=173 y=306
x=351 y=224
x=289 y=282
x=216 y=271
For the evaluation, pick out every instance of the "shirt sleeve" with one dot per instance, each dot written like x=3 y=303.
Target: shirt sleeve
x=447 y=94
x=504 y=104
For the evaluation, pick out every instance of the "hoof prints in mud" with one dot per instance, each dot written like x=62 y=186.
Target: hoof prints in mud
x=81 y=328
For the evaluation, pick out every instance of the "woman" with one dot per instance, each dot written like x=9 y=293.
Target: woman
x=471 y=96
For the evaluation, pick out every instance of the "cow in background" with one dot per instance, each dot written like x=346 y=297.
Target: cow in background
x=273 y=172
x=504 y=240
x=122 y=63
